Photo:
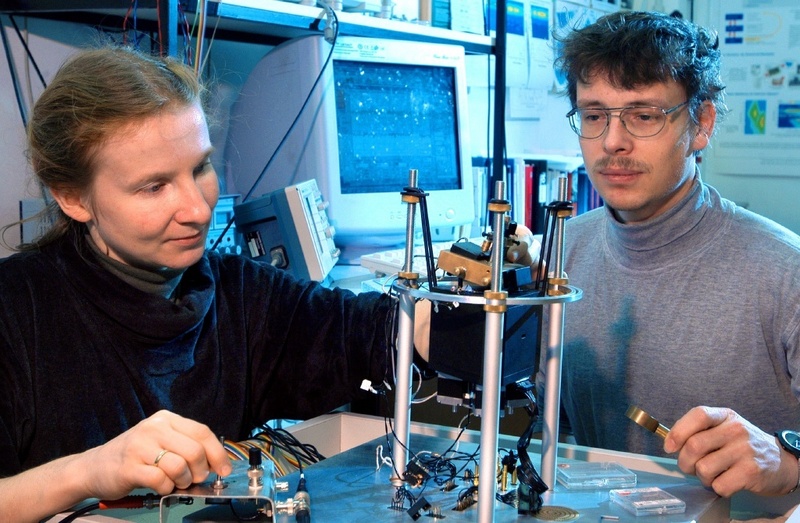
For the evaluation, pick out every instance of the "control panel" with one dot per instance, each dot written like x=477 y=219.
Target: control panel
x=289 y=228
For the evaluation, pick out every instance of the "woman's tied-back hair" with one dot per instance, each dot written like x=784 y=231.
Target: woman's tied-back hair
x=637 y=49
x=95 y=93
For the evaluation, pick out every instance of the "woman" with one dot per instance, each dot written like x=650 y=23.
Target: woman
x=126 y=349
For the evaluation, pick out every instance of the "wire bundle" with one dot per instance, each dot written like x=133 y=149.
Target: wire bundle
x=279 y=446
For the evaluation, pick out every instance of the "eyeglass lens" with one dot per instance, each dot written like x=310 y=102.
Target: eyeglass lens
x=639 y=121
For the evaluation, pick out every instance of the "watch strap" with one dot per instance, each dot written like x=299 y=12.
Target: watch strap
x=798 y=478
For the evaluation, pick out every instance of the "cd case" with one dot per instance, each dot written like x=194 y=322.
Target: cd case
x=647 y=501
x=595 y=475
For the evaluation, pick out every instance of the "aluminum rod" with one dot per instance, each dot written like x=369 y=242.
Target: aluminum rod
x=492 y=371
x=552 y=393
x=410 y=220
x=402 y=400
x=405 y=353
x=553 y=360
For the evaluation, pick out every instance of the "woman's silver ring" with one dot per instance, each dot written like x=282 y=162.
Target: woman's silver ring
x=160 y=455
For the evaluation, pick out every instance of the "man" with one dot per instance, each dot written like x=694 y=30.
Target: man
x=691 y=306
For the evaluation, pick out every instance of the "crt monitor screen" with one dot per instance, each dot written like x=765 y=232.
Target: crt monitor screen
x=363 y=118
x=392 y=118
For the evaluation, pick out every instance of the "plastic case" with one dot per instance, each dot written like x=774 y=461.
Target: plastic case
x=594 y=475
x=647 y=501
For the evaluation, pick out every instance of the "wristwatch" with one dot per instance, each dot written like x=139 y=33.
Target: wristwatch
x=790 y=440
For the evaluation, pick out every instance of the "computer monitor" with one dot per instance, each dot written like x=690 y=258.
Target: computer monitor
x=381 y=108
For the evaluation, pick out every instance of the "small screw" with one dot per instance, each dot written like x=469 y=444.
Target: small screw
x=219 y=484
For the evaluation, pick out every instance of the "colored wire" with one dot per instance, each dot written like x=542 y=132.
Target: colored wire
x=201 y=33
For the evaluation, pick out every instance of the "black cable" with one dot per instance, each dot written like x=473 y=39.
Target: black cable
x=14 y=78
x=81 y=512
x=284 y=440
x=303 y=509
x=27 y=50
x=531 y=486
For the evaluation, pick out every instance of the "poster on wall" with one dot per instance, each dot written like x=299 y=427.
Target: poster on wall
x=761 y=72
x=575 y=14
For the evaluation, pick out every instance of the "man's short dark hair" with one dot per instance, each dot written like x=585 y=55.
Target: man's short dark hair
x=636 y=49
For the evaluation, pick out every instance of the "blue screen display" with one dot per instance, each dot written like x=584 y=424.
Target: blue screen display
x=392 y=118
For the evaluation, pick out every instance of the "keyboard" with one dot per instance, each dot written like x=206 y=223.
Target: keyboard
x=389 y=263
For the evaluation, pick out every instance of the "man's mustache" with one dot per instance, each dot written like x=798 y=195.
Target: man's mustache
x=620 y=163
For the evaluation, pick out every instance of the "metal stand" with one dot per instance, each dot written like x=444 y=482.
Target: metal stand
x=495 y=303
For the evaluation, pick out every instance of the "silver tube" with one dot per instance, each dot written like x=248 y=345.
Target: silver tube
x=410 y=219
x=490 y=415
x=498 y=241
x=402 y=400
x=552 y=393
x=405 y=353
x=553 y=361
x=492 y=374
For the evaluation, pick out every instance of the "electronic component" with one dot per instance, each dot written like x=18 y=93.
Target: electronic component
x=379 y=108
x=466 y=267
x=415 y=474
x=289 y=228
x=255 y=473
x=457 y=338
x=233 y=489
x=471 y=263
x=303 y=501
x=416 y=509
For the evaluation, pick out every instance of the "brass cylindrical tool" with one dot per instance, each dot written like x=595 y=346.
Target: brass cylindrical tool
x=647 y=421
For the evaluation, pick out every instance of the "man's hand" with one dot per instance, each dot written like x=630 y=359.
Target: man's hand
x=524 y=249
x=728 y=453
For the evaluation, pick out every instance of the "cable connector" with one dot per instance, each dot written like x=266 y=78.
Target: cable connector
x=302 y=502
x=331 y=30
x=148 y=501
x=366 y=385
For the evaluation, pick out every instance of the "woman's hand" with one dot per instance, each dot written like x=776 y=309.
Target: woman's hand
x=134 y=459
x=163 y=452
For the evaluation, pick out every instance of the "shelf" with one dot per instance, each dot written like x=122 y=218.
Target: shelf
x=286 y=19
x=262 y=21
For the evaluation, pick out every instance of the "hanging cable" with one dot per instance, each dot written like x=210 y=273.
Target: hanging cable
x=201 y=33
x=24 y=43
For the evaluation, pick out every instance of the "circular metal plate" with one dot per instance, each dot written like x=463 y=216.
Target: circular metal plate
x=553 y=513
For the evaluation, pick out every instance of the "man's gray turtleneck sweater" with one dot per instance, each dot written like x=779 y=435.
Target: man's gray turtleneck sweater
x=698 y=306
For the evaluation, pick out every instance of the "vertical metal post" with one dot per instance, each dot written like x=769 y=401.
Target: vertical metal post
x=555 y=349
x=413 y=176
x=495 y=307
x=405 y=350
x=168 y=27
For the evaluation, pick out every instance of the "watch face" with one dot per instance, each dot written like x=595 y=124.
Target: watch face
x=792 y=439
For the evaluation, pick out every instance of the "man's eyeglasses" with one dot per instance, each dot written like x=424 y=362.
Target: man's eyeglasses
x=641 y=121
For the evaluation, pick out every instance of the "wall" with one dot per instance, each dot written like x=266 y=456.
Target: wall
x=51 y=43
x=762 y=174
